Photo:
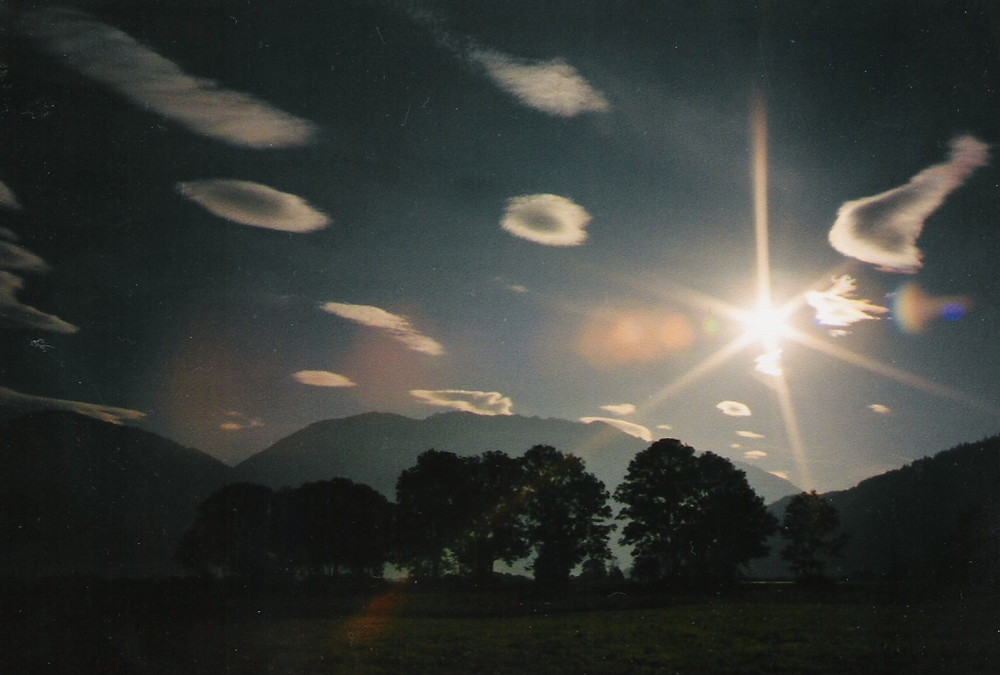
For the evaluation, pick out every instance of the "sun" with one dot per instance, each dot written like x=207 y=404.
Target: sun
x=766 y=325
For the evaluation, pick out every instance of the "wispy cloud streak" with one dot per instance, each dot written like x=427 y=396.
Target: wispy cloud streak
x=101 y=412
x=398 y=327
x=479 y=402
x=630 y=428
x=151 y=81
x=13 y=311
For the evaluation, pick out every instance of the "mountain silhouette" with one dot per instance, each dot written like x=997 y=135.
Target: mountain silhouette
x=929 y=520
x=374 y=448
x=82 y=496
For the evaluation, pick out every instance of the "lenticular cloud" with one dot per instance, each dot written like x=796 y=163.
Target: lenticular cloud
x=398 y=327
x=254 y=204
x=554 y=87
x=478 y=402
x=630 y=428
x=117 y=60
x=322 y=378
x=883 y=229
x=734 y=408
x=546 y=219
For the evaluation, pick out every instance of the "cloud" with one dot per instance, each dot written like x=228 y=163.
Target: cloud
x=478 y=402
x=883 y=229
x=397 y=326
x=880 y=409
x=7 y=198
x=756 y=454
x=630 y=428
x=665 y=427
x=8 y=234
x=913 y=309
x=237 y=421
x=101 y=412
x=783 y=475
x=553 y=86
x=734 y=408
x=322 y=378
x=769 y=363
x=546 y=219
x=153 y=82
x=749 y=434
x=620 y=409
x=836 y=306
x=14 y=257
x=254 y=204
x=12 y=311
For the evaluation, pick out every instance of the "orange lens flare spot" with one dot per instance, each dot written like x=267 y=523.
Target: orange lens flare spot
x=621 y=338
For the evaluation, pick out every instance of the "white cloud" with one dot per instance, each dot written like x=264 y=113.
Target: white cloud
x=397 y=326
x=237 y=421
x=619 y=409
x=553 y=87
x=153 y=82
x=783 y=475
x=736 y=446
x=249 y=203
x=757 y=454
x=734 y=408
x=769 y=363
x=630 y=428
x=665 y=427
x=749 y=434
x=101 y=412
x=883 y=229
x=14 y=257
x=7 y=198
x=546 y=219
x=12 y=311
x=322 y=378
x=478 y=402
x=836 y=306
x=880 y=409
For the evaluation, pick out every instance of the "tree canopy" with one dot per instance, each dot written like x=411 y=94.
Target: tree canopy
x=811 y=527
x=690 y=516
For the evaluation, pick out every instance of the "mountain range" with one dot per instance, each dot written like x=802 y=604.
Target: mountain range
x=374 y=448
x=84 y=496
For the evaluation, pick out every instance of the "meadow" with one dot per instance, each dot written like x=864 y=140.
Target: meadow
x=404 y=629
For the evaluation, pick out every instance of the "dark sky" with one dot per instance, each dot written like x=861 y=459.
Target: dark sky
x=222 y=221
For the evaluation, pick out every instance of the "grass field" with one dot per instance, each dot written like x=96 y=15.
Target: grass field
x=398 y=630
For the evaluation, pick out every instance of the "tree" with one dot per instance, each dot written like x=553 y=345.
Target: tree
x=810 y=526
x=329 y=526
x=565 y=514
x=232 y=533
x=435 y=501
x=496 y=530
x=691 y=517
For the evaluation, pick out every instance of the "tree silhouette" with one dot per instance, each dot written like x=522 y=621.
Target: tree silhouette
x=329 y=526
x=691 y=517
x=496 y=531
x=811 y=527
x=565 y=513
x=436 y=502
x=232 y=533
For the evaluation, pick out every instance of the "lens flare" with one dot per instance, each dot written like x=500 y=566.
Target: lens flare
x=914 y=310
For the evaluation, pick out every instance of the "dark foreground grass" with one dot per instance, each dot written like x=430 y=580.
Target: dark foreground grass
x=397 y=630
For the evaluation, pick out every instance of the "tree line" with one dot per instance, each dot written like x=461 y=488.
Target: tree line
x=686 y=517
